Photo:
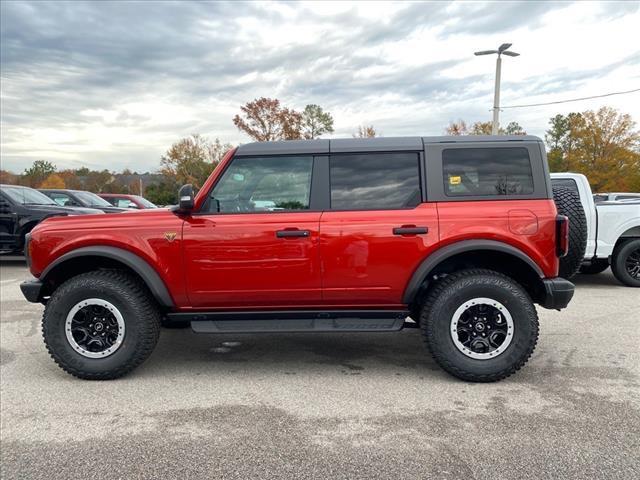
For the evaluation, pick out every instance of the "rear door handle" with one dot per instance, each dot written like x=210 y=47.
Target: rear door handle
x=292 y=233
x=410 y=230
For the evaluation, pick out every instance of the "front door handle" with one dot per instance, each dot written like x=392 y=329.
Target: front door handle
x=292 y=233
x=410 y=230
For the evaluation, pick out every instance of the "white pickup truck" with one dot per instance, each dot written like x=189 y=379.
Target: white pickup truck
x=613 y=231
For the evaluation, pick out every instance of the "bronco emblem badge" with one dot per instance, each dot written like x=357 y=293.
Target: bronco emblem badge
x=170 y=236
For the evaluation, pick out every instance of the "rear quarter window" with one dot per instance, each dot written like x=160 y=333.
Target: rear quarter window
x=487 y=172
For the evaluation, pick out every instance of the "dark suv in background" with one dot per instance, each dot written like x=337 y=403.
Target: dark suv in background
x=21 y=209
x=79 y=198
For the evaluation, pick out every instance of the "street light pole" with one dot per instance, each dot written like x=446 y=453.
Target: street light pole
x=496 y=98
x=495 y=124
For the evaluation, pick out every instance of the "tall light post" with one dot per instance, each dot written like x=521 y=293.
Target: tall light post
x=503 y=49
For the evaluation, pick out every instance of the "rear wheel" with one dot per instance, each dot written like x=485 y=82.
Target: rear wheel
x=568 y=203
x=100 y=325
x=595 y=267
x=479 y=325
x=625 y=263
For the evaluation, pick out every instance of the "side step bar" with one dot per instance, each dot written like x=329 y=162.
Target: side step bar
x=294 y=321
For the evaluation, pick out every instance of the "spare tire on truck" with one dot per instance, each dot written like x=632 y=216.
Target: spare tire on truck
x=568 y=204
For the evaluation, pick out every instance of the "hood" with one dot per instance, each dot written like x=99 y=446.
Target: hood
x=110 y=209
x=127 y=219
x=57 y=209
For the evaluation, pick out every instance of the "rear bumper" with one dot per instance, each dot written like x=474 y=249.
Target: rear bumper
x=558 y=292
x=31 y=290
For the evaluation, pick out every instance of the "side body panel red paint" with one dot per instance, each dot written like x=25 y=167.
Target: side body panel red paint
x=141 y=232
x=236 y=260
x=528 y=225
x=364 y=263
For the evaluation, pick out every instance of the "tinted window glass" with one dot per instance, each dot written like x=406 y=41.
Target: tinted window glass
x=487 y=171
x=266 y=184
x=374 y=181
x=92 y=200
x=27 y=196
x=61 y=199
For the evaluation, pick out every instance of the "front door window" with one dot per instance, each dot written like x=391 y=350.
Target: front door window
x=268 y=184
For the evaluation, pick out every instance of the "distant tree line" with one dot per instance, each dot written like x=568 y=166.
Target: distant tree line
x=603 y=144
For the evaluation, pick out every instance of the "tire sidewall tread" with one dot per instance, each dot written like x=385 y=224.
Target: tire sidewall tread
x=448 y=294
x=618 y=267
x=125 y=292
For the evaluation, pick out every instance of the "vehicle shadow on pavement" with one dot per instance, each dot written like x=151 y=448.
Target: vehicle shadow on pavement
x=605 y=278
x=402 y=353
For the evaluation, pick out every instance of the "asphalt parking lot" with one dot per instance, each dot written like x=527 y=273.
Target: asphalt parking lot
x=328 y=406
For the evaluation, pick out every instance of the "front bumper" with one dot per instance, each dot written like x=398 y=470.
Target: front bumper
x=31 y=289
x=558 y=292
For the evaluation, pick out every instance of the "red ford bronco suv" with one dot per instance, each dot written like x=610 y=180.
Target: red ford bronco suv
x=352 y=235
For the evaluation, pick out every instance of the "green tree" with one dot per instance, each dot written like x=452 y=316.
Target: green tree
x=38 y=172
x=514 y=128
x=316 y=122
x=163 y=193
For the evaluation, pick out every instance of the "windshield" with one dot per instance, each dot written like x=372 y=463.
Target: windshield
x=145 y=202
x=92 y=200
x=27 y=196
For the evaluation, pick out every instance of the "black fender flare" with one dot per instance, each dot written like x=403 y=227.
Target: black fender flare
x=440 y=255
x=148 y=274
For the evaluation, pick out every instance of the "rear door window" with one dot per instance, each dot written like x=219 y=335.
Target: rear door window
x=487 y=172
x=374 y=181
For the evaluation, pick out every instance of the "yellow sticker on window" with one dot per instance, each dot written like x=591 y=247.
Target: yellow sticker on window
x=454 y=180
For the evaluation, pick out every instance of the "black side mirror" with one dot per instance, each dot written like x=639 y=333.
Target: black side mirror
x=185 y=198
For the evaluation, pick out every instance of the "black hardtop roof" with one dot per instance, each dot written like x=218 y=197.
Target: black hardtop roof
x=383 y=144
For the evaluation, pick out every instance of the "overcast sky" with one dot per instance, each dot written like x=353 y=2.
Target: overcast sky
x=112 y=85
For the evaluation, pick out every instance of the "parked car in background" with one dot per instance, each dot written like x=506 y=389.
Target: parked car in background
x=21 y=209
x=80 y=198
x=613 y=231
x=615 y=197
x=127 y=201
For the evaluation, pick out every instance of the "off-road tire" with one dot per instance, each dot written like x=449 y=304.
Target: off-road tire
x=130 y=297
x=568 y=204
x=450 y=293
x=620 y=255
x=595 y=267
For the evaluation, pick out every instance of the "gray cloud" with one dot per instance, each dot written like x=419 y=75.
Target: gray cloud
x=62 y=59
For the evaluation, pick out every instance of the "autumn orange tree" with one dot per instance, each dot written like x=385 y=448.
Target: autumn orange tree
x=192 y=159
x=482 y=128
x=264 y=120
x=366 y=131
x=603 y=145
x=53 y=181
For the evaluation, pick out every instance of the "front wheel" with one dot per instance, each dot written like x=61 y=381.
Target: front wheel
x=480 y=325
x=625 y=263
x=100 y=325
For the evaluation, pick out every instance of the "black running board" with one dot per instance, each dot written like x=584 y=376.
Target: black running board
x=294 y=321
